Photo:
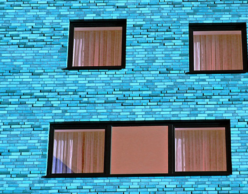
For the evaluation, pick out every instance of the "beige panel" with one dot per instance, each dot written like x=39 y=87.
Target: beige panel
x=139 y=150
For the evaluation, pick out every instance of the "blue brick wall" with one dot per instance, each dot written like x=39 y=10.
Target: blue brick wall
x=34 y=90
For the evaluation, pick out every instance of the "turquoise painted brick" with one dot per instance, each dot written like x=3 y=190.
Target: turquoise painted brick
x=34 y=90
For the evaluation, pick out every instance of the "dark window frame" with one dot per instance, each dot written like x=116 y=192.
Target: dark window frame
x=217 y=27
x=96 y=23
x=171 y=145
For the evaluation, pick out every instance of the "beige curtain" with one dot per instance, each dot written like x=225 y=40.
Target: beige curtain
x=97 y=48
x=218 y=52
x=78 y=151
x=200 y=150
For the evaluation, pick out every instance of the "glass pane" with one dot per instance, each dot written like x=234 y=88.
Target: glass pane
x=200 y=149
x=217 y=50
x=139 y=150
x=97 y=46
x=78 y=151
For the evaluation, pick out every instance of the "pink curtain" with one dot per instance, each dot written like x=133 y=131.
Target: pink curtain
x=97 y=48
x=218 y=52
x=201 y=149
x=78 y=151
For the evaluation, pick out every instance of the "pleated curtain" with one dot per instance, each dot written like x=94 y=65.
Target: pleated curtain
x=200 y=150
x=97 y=48
x=218 y=52
x=78 y=152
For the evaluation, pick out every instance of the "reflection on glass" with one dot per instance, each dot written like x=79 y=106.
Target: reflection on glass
x=78 y=151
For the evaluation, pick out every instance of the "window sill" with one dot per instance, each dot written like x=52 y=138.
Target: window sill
x=95 y=175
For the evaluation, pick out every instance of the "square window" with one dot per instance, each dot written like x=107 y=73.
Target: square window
x=97 y=44
x=200 y=149
x=139 y=150
x=78 y=151
x=217 y=48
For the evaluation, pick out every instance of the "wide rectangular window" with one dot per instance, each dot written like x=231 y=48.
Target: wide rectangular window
x=97 y=44
x=217 y=48
x=139 y=148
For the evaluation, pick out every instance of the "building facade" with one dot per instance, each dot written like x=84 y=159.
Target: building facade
x=36 y=90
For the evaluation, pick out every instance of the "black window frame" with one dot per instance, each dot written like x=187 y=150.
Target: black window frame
x=96 y=23
x=172 y=124
x=217 y=27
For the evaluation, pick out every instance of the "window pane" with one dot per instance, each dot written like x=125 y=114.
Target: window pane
x=78 y=151
x=139 y=150
x=97 y=46
x=217 y=50
x=200 y=149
